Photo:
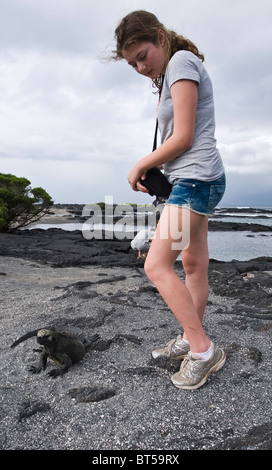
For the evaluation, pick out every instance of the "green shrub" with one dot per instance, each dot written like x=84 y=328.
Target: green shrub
x=20 y=205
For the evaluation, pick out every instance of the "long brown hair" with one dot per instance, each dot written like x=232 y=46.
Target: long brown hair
x=140 y=26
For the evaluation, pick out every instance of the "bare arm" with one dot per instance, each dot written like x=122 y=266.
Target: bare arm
x=184 y=97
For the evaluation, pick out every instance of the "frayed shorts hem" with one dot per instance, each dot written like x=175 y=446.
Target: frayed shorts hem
x=185 y=206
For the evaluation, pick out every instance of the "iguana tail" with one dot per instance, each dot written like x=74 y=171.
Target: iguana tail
x=24 y=337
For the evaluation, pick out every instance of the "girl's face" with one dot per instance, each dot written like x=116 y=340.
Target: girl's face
x=146 y=58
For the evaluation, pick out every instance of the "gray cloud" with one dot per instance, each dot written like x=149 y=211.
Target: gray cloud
x=75 y=124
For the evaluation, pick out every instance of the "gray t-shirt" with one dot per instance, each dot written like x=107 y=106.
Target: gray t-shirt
x=202 y=161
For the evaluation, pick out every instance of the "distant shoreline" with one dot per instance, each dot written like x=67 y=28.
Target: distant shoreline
x=72 y=213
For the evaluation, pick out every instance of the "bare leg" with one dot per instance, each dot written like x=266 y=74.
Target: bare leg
x=195 y=260
x=185 y=301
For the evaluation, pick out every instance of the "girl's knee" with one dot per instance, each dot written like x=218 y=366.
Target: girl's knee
x=192 y=264
x=157 y=271
x=150 y=268
x=153 y=270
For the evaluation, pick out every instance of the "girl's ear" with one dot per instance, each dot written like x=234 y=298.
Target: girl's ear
x=161 y=37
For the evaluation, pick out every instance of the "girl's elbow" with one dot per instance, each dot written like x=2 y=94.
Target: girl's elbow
x=186 y=143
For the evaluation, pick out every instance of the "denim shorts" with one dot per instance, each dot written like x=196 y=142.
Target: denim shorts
x=199 y=196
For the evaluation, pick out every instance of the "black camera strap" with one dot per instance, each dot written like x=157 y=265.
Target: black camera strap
x=157 y=124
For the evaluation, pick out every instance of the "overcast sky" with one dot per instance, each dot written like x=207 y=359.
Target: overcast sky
x=75 y=124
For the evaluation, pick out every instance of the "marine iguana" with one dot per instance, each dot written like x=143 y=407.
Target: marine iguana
x=65 y=345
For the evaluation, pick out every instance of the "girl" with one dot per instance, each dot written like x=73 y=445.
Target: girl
x=193 y=165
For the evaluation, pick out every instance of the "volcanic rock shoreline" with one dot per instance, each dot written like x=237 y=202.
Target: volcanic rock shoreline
x=73 y=212
x=118 y=397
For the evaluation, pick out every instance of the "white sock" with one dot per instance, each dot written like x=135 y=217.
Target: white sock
x=185 y=341
x=205 y=356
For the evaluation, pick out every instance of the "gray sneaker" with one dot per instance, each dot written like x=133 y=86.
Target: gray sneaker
x=193 y=373
x=175 y=349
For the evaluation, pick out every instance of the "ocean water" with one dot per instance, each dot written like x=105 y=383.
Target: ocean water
x=241 y=245
x=223 y=245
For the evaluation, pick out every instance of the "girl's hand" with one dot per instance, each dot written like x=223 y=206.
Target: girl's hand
x=134 y=177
